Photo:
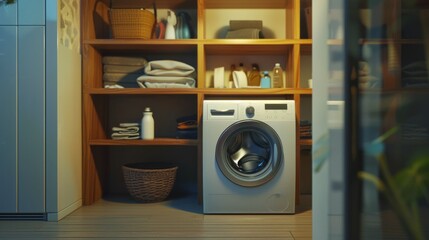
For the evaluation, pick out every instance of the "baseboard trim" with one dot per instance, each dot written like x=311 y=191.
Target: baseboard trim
x=54 y=217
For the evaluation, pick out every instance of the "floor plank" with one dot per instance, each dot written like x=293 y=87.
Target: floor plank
x=178 y=218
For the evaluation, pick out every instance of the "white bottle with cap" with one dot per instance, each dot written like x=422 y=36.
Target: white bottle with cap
x=147 y=125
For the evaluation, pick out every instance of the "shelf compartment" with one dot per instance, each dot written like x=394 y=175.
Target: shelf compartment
x=139 y=142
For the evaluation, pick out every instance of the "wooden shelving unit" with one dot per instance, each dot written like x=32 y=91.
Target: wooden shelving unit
x=101 y=105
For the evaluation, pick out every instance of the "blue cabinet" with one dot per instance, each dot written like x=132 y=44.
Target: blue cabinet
x=8 y=119
x=31 y=12
x=9 y=15
x=31 y=119
x=22 y=97
x=22 y=169
x=40 y=123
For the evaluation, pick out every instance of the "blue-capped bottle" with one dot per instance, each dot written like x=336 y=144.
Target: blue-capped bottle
x=266 y=80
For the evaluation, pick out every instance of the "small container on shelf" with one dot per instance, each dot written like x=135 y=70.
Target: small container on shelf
x=147 y=125
x=266 y=80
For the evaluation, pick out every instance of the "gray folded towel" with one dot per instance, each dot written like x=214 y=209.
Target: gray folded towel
x=125 y=60
x=168 y=68
x=248 y=33
x=126 y=129
x=108 y=68
x=245 y=24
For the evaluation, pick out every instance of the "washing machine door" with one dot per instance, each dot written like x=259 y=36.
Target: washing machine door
x=249 y=153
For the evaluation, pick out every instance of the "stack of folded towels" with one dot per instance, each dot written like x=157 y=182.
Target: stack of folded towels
x=187 y=127
x=167 y=74
x=122 y=71
x=126 y=131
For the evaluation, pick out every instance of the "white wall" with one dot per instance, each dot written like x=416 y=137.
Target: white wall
x=64 y=147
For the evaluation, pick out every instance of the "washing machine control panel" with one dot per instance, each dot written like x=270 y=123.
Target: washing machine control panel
x=266 y=111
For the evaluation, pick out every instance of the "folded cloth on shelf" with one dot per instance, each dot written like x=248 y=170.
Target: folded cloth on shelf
x=190 y=124
x=120 y=85
x=120 y=77
x=147 y=81
x=108 y=68
x=129 y=125
x=126 y=129
x=125 y=135
x=187 y=134
x=125 y=60
x=245 y=24
x=247 y=33
x=169 y=68
x=113 y=86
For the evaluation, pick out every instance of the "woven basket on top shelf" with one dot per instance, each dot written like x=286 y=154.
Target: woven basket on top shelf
x=132 y=23
x=149 y=182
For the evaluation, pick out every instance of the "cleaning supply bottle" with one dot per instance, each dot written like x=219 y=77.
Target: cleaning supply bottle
x=230 y=82
x=266 y=80
x=147 y=125
x=242 y=68
x=277 y=76
x=254 y=77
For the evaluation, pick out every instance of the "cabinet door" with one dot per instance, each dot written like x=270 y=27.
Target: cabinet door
x=8 y=126
x=31 y=119
x=8 y=15
x=31 y=12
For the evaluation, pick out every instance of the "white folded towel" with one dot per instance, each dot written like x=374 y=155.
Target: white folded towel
x=146 y=81
x=125 y=135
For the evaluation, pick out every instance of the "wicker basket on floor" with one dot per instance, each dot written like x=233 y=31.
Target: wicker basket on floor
x=149 y=182
x=131 y=23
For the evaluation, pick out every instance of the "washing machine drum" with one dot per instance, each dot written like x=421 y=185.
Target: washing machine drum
x=249 y=153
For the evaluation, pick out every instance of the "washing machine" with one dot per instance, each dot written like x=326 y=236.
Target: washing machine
x=249 y=156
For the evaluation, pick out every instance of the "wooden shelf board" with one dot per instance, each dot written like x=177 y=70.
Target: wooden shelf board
x=241 y=4
x=156 y=46
x=205 y=91
x=141 y=91
x=138 y=142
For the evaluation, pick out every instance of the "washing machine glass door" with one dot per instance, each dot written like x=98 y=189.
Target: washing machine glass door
x=249 y=153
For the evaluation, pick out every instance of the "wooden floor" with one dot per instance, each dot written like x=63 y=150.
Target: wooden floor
x=178 y=218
